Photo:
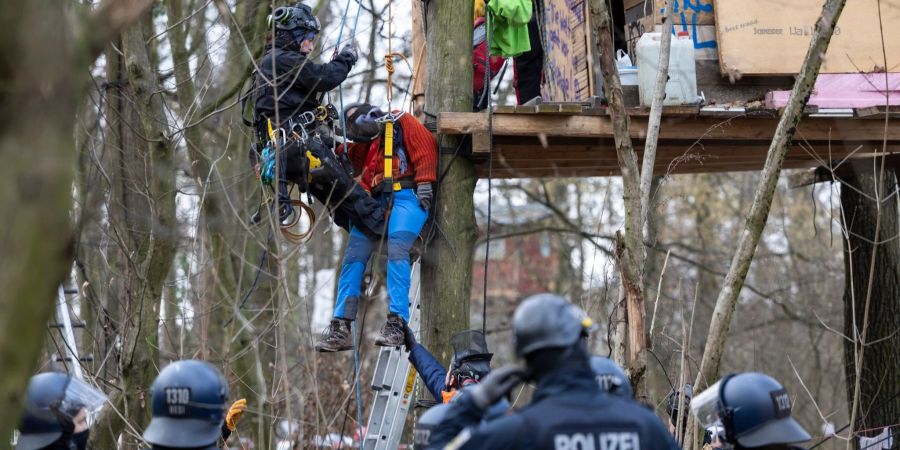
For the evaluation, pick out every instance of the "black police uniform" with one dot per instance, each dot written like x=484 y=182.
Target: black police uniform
x=298 y=81
x=568 y=412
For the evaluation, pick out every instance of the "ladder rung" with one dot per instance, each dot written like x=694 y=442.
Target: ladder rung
x=59 y=325
x=87 y=358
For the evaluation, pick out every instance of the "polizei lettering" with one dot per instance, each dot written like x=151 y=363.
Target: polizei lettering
x=627 y=440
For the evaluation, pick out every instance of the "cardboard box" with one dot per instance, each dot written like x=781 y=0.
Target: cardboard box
x=771 y=37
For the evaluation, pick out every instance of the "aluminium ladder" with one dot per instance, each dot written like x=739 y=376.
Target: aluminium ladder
x=71 y=359
x=394 y=384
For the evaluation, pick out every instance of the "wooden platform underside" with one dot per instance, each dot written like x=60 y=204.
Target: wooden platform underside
x=579 y=145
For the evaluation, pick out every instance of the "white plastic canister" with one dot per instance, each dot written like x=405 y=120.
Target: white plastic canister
x=681 y=88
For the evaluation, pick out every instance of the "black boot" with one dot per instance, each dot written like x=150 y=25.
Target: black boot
x=336 y=338
x=392 y=334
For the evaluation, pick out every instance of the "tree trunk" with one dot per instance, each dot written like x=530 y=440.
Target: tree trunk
x=447 y=263
x=417 y=103
x=142 y=217
x=630 y=247
x=40 y=94
x=870 y=219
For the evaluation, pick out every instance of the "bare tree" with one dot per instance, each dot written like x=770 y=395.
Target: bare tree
x=42 y=88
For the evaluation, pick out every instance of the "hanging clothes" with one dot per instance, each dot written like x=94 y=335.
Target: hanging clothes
x=509 y=19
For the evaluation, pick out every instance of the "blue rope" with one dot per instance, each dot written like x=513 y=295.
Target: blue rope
x=341 y=86
x=362 y=437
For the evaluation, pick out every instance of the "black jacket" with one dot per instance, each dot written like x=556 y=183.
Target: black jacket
x=568 y=411
x=298 y=80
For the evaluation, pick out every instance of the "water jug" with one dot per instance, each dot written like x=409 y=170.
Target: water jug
x=681 y=88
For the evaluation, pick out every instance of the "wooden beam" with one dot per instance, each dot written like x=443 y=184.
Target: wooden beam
x=826 y=174
x=612 y=169
x=740 y=128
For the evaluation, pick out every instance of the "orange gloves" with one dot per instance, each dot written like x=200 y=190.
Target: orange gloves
x=234 y=413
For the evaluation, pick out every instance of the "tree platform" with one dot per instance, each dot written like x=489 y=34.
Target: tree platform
x=576 y=139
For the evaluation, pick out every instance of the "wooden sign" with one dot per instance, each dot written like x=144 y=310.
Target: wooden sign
x=565 y=45
x=771 y=37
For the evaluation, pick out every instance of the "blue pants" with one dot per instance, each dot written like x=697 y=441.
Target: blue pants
x=406 y=221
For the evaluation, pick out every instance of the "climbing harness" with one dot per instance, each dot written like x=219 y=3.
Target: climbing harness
x=272 y=163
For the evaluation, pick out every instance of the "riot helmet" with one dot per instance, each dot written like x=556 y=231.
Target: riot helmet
x=54 y=401
x=753 y=408
x=428 y=423
x=611 y=377
x=188 y=404
x=547 y=321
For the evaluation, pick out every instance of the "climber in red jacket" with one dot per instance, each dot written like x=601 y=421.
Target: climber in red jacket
x=409 y=195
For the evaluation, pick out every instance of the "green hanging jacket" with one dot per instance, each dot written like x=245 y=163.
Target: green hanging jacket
x=509 y=21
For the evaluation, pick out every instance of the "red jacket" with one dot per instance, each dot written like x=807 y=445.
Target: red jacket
x=367 y=159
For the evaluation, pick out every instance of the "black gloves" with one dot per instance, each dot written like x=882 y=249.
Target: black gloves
x=497 y=384
x=350 y=52
x=409 y=339
x=425 y=195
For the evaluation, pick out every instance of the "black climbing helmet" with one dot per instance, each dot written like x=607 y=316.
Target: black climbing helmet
x=547 y=321
x=360 y=120
x=188 y=404
x=610 y=377
x=753 y=408
x=471 y=360
x=53 y=400
x=295 y=18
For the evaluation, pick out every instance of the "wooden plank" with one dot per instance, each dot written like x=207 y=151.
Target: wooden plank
x=825 y=174
x=504 y=109
x=481 y=142
x=746 y=128
x=766 y=37
x=613 y=170
x=526 y=109
x=878 y=112
x=548 y=108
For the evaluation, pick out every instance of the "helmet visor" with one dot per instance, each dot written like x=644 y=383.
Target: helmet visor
x=81 y=396
x=707 y=406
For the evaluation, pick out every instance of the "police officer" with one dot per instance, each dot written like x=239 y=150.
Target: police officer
x=188 y=405
x=426 y=425
x=610 y=377
x=470 y=363
x=288 y=84
x=56 y=410
x=753 y=408
x=568 y=410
